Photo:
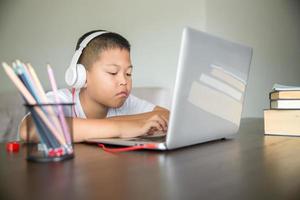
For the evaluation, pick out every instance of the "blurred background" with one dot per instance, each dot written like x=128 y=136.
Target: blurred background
x=44 y=32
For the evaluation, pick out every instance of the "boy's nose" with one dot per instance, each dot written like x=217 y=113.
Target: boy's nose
x=123 y=80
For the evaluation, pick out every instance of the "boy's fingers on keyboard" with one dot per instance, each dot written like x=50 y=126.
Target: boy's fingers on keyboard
x=166 y=123
x=157 y=119
x=152 y=131
x=165 y=118
x=151 y=125
x=162 y=123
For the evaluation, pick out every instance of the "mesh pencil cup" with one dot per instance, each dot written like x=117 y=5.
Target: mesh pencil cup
x=49 y=134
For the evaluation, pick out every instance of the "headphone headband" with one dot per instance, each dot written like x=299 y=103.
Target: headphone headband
x=82 y=45
x=90 y=37
x=72 y=77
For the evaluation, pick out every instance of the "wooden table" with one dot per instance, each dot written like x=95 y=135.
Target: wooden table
x=248 y=166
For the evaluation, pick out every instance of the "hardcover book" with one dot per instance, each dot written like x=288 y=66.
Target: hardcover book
x=282 y=122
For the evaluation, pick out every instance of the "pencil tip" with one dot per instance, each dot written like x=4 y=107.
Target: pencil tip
x=4 y=64
x=29 y=65
x=49 y=67
x=18 y=62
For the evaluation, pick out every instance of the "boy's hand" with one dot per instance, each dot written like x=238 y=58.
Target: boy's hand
x=157 y=123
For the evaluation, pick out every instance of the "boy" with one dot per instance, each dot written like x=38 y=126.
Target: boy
x=104 y=106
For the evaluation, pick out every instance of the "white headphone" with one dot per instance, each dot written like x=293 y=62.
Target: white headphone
x=75 y=75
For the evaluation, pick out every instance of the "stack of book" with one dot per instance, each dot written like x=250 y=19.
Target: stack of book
x=283 y=117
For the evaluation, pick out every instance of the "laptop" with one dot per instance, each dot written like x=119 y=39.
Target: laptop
x=208 y=95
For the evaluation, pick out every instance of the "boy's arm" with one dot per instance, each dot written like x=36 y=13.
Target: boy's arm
x=158 y=114
x=82 y=129
x=156 y=111
x=27 y=125
x=123 y=126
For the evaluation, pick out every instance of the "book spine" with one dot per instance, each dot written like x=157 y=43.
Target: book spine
x=277 y=95
x=285 y=104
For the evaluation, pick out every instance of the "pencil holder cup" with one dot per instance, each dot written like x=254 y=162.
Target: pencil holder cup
x=49 y=133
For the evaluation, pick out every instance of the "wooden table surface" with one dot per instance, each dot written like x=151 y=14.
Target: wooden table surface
x=247 y=166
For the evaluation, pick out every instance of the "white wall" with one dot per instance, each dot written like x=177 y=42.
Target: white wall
x=272 y=28
x=47 y=31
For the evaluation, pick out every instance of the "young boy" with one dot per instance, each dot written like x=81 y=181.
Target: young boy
x=104 y=106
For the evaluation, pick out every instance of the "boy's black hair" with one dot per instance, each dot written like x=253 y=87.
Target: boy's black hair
x=105 y=41
x=110 y=37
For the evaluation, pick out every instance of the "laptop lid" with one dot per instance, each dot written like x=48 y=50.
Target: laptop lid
x=208 y=95
x=209 y=89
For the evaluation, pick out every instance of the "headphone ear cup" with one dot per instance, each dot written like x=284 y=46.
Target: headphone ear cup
x=70 y=76
x=81 y=76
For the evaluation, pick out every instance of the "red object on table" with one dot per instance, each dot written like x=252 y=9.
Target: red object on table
x=12 y=146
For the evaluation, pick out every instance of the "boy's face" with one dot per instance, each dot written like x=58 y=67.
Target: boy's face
x=109 y=78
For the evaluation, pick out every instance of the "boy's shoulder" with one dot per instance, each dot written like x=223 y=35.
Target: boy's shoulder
x=132 y=105
x=131 y=101
x=65 y=95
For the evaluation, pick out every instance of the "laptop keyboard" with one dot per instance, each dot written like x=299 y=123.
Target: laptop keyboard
x=150 y=138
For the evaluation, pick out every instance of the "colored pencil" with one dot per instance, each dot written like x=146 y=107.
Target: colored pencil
x=32 y=101
x=60 y=110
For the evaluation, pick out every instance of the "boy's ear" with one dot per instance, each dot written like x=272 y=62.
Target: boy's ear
x=86 y=80
x=87 y=76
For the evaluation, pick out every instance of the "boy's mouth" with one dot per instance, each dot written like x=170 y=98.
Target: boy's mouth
x=122 y=93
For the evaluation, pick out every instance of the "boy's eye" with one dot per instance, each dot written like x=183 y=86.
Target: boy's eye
x=112 y=73
x=128 y=74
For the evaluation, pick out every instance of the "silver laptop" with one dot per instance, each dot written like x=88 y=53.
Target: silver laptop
x=208 y=95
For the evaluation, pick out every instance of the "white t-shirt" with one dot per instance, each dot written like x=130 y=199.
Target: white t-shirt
x=131 y=106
